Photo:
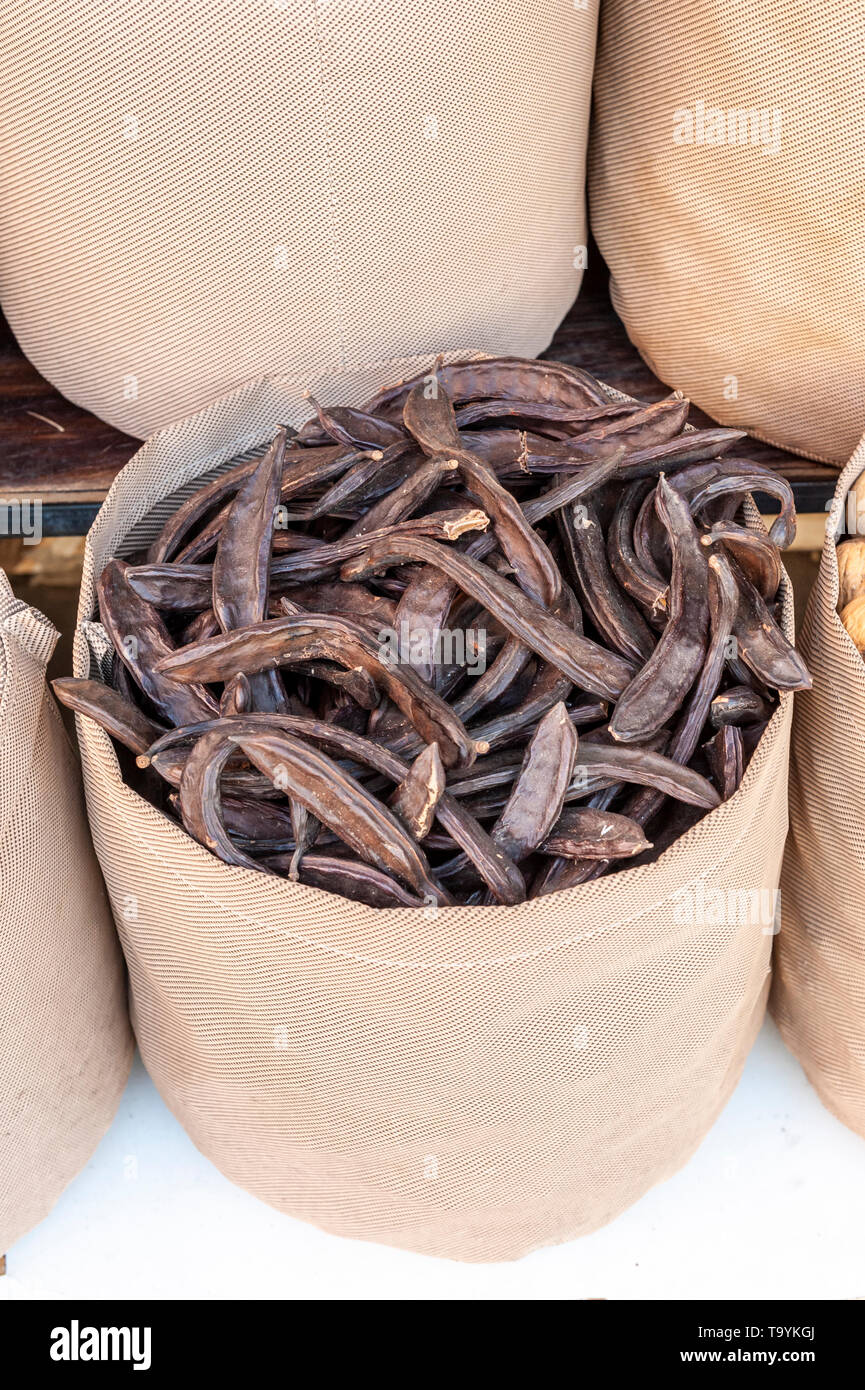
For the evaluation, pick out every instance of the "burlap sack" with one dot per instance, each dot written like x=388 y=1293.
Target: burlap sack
x=471 y=1085
x=818 y=997
x=738 y=272
x=65 y=1043
x=198 y=194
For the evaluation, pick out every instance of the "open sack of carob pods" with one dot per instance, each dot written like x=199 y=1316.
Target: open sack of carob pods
x=818 y=995
x=425 y=942
x=66 y=1042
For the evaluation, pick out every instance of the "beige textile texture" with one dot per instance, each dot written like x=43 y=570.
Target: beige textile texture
x=728 y=262
x=472 y=1085
x=199 y=194
x=65 y=1042
x=818 y=997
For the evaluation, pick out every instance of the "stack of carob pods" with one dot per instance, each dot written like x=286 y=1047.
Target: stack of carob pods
x=488 y=637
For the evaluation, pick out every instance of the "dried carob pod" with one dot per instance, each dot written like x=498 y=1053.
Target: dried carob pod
x=476 y=641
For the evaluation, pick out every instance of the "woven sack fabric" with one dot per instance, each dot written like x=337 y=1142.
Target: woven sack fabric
x=472 y=1085
x=198 y=194
x=818 y=997
x=65 y=1041
x=736 y=254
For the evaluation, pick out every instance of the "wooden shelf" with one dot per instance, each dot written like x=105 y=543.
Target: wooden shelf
x=53 y=450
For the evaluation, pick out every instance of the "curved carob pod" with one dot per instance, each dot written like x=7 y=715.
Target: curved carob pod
x=236 y=696
x=348 y=878
x=110 y=710
x=415 y=800
x=338 y=574
x=200 y=805
x=429 y=416
x=583 y=833
x=587 y=664
x=646 y=586
x=723 y=606
x=542 y=411
x=761 y=644
x=724 y=753
x=316 y=636
x=646 y=768
x=538 y=795
x=752 y=479
x=336 y=800
x=659 y=688
x=612 y=612
x=739 y=705
x=241 y=566
x=141 y=640
x=755 y=554
x=503 y=377
x=534 y=454
x=355 y=428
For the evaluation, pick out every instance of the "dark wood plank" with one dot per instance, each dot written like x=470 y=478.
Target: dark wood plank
x=50 y=448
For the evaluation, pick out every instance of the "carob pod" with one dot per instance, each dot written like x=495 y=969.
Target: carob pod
x=141 y=640
x=491 y=409
x=762 y=645
x=241 y=566
x=756 y=555
x=428 y=414
x=349 y=878
x=645 y=767
x=725 y=756
x=355 y=428
x=612 y=612
x=723 y=605
x=538 y=794
x=739 y=705
x=415 y=800
x=646 y=586
x=659 y=688
x=336 y=800
x=375 y=546
x=496 y=869
x=110 y=710
x=503 y=377
x=311 y=636
x=587 y=663
x=584 y=833
x=200 y=804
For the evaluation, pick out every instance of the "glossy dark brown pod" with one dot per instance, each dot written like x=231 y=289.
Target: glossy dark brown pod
x=584 y=833
x=538 y=794
x=658 y=690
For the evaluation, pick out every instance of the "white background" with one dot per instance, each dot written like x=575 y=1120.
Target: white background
x=771 y=1206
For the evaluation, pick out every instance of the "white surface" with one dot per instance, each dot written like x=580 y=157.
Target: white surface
x=771 y=1206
